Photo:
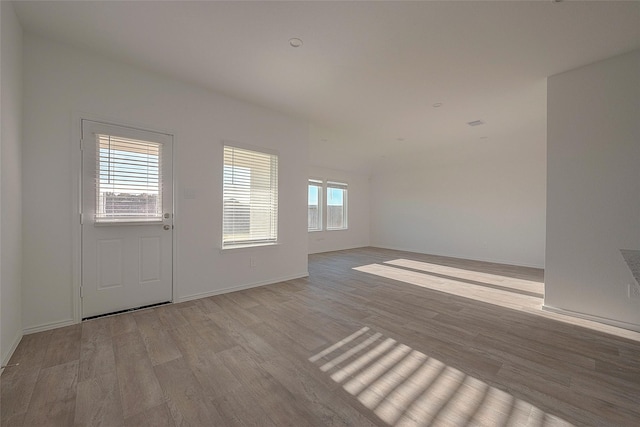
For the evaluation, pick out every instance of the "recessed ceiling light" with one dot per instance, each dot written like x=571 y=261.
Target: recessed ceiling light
x=484 y=137
x=399 y=139
x=475 y=123
x=437 y=105
x=295 y=42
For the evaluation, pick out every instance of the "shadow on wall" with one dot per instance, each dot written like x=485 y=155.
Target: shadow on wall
x=632 y=259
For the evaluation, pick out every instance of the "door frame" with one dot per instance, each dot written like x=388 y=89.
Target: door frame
x=76 y=199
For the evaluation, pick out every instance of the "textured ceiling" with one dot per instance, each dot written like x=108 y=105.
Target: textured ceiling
x=369 y=72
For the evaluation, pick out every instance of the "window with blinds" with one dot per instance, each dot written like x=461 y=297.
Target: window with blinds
x=314 y=215
x=128 y=180
x=336 y=206
x=250 y=198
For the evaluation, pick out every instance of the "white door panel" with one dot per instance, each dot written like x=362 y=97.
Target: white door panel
x=127 y=229
x=109 y=263
x=150 y=253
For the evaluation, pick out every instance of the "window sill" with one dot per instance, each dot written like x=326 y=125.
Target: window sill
x=126 y=222
x=247 y=248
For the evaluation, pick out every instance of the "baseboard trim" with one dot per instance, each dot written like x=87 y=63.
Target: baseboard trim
x=60 y=324
x=346 y=248
x=604 y=320
x=239 y=288
x=48 y=326
x=12 y=349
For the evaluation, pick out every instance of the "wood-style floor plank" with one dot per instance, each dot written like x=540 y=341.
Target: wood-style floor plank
x=191 y=406
x=16 y=390
x=139 y=387
x=53 y=401
x=96 y=350
x=158 y=416
x=98 y=402
x=66 y=348
x=160 y=346
x=372 y=337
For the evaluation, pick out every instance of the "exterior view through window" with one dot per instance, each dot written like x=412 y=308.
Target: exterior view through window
x=250 y=198
x=128 y=181
x=330 y=211
x=315 y=205
x=336 y=206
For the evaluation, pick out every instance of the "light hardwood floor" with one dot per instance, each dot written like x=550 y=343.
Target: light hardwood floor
x=372 y=337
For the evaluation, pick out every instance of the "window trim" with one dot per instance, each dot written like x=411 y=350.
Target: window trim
x=319 y=183
x=255 y=243
x=345 y=217
x=325 y=185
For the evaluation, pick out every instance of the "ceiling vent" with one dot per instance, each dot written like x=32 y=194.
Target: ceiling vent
x=475 y=123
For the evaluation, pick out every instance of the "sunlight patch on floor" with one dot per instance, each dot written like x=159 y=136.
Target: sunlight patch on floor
x=471 y=275
x=456 y=287
x=467 y=284
x=404 y=387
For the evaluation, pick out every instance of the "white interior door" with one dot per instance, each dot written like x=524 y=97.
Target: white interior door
x=127 y=218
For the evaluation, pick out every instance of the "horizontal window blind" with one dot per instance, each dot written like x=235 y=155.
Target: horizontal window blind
x=250 y=197
x=128 y=179
x=338 y=185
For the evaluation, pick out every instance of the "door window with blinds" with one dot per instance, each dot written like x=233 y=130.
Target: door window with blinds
x=128 y=180
x=250 y=197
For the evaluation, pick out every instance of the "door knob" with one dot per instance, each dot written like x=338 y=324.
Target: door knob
x=167 y=227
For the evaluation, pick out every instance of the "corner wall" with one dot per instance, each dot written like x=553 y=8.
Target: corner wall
x=62 y=82
x=481 y=200
x=11 y=182
x=593 y=198
x=357 y=234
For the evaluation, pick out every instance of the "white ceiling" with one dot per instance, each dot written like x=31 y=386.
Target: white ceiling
x=368 y=72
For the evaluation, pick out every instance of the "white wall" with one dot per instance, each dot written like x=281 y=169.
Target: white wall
x=357 y=234
x=10 y=203
x=593 y=204
x=480 y=199
x=61 y=80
